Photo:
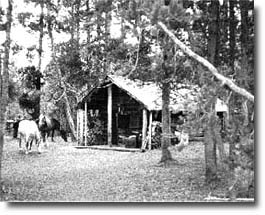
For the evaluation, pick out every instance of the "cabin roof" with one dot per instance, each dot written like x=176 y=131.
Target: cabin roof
x=184 y=98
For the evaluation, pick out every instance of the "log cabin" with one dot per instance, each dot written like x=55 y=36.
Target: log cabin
x=125 y=109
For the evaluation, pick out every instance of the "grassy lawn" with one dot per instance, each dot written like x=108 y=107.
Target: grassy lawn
x=64 y=173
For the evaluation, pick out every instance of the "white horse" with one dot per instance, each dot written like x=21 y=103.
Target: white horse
x=28 y=131
x=183 y=139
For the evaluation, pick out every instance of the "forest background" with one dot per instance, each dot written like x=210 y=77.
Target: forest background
x=137 y=54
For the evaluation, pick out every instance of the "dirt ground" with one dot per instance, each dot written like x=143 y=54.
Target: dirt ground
x=63 y=173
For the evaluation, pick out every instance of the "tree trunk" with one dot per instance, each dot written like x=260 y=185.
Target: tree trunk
x=41 y=24
x=77 y=22
x=243 y=74
x=72 y=27
x=64 y=96
x=40 y=51
x=213 y=38
x=210 y=138
x=99 y=66
x=122 y=29
x=166 y=155
x=108 y=18
x=210 y=152
x=4 y=82
x=88 y=21
x=232 y=36
x=69 y=115
x=232 y=45
x=0 y=74
x=88 y=27
x=98 y=23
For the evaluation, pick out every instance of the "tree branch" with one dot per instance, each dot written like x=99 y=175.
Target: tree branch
x=60 y=97
x=72 y=89
x=226 y=81
x=138 y=53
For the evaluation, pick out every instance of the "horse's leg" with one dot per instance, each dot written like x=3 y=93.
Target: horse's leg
x=19 y=143
x=46 y=134
x=43 y=136
x=27 y=147
x=30 y=145
x=52 y=135
x=38 y=141
x=47 y=142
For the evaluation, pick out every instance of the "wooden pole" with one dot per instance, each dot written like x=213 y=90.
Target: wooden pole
x=77 y=126
x=144 y=129
x=81 y=114
x=150 y=130
x=86 y=123
x=110 y=115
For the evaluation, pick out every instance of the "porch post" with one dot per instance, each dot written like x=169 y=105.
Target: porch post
x=150 y=130
x=85 y=123
x=110 y=115
x=77 y=126
x=81 y=114
x=144 y=128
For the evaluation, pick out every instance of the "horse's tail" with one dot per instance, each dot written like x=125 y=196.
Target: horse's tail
x=15 y=129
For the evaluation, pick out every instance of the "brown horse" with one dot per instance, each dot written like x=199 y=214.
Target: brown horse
x=48 y=126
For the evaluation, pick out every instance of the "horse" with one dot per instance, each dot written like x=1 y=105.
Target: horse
x=28 y=131
x=48 y=125
x=183 y=139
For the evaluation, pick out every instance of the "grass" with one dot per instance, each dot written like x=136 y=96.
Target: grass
x=63 y=173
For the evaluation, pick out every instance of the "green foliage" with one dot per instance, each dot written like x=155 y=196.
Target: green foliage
x=95 y=130
x=12 y=91
x=117 y=49
x=30 y=100
x=23 y=17
x=242 y=162
x=3 y=27
x=32 y=77
x=103 y=6
x=244 y=183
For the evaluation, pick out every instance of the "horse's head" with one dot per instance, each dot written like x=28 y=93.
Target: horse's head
x=42 y=122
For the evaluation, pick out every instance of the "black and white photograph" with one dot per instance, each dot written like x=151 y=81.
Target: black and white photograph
x=128 y=101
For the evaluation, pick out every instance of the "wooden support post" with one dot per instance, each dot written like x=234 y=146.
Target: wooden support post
x=77 y=127
x=81 y=114
x=85 y=123
x=110 y=115
x=150 y=130
x=144 y=128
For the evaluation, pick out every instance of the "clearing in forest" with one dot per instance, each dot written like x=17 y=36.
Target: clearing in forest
x=64 y=173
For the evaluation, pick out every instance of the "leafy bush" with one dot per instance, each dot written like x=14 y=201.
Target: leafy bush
x=95 y=131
